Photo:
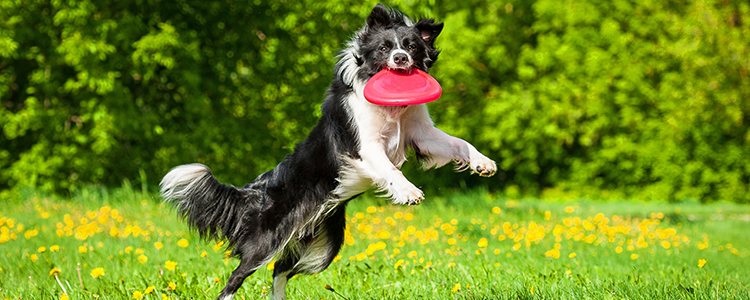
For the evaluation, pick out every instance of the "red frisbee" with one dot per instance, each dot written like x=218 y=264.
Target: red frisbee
x=396 y=88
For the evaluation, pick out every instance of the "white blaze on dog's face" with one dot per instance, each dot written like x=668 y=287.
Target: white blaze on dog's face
x=391 y=40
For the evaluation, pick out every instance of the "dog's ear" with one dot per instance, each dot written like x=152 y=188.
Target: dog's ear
x=429 y=30
x=379 y=17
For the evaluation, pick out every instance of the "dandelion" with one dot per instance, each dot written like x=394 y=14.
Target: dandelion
x=41 y=249
x=64 y=296
x=482 y=243
x=572 y=255
x=497 y=210
x=399 y=263
x=142 y=259
x=158 y=245
x=702 y=262
x=149 y=290
x=171 y=286
x=218 y=246
x=83 y=249
x=183 y=243
x=54 y=248
x=137 y=295
x=30 y=233
x=170 y=265
x=97 y=272
x=570 y=209
x=34 y=257
x=456 y=287
x=204 y=253
x=634 y=256
x=54 y=271
x=553 y=253
x=371 y=209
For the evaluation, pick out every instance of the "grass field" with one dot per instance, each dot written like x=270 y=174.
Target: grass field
x=126 y=245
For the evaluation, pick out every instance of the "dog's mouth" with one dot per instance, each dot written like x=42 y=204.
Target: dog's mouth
x=405 y=70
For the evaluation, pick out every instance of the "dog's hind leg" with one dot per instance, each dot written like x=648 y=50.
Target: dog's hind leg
x=310 y=254
x=282 y=272
x=246 y=268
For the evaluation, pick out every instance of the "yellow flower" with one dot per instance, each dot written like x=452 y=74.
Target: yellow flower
x=54 y=248
x=702 y=262
x=456 y=287
x=30 y=233
x=128 y=249
x=149 y=290
x=97 y=272
x=170 y=265
x=158 y=245
x=496 y=210
x=553 y=253
x=570 y=209
x=64 y=296
x=41 y=249
x=171 y=286
x=34 y=257
x=142 y=259
x=183 y=243
x=399 y=263
x=451 y=241
x=54 y=271
x=218 y=246
x=204 y=253
x=634 y=256
x=83 y=249
x=371 y=209
x=482 y=243
x=137 y=295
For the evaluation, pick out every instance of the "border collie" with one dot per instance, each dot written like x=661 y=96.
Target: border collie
x=295 y=212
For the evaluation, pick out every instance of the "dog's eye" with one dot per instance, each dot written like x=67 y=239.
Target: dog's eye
x=412 y=47
x=383 y=48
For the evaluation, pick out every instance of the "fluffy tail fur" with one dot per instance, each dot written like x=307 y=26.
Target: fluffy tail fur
x=214 y=209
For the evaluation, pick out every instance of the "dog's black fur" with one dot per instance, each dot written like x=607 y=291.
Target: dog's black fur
x=296 y=212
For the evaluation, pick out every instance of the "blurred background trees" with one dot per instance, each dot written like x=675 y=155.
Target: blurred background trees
x=645 y=99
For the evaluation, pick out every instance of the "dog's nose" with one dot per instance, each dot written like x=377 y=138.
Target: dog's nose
x=400 y=59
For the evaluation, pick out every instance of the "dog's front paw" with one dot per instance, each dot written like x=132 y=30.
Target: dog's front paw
x=406 y=193
x=483 y=166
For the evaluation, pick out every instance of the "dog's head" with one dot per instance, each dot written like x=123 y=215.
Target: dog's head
x=392 y=40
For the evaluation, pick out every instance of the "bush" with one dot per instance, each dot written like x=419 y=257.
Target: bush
x=644 y=99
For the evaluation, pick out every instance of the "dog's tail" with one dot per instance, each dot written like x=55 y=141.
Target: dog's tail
x=214 y=209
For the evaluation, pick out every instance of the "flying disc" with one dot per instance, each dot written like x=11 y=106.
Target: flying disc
x=398 y=88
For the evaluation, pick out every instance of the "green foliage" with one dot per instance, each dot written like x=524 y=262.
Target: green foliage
x=648 y=99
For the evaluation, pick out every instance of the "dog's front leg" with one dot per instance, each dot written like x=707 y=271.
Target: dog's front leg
x=388 y=178
x=440 y=148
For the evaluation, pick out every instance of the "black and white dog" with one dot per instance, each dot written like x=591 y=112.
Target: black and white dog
x=295 y=212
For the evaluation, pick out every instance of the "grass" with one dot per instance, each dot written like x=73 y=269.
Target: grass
x=122 y=244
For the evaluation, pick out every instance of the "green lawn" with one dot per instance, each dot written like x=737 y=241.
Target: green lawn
x=122 y=244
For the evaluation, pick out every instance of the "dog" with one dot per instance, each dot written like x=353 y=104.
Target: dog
x=295 y=213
